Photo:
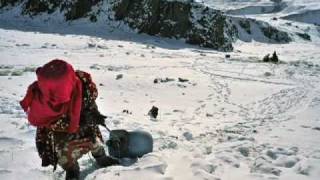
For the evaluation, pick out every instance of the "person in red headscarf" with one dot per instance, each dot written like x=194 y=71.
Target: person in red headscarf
x=61 y=104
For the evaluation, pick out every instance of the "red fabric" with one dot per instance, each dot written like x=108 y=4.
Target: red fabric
x=57 y=92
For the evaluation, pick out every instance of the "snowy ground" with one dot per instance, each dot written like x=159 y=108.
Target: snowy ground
x=235 y=118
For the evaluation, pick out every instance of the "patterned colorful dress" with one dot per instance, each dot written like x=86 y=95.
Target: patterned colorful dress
x=56 y=146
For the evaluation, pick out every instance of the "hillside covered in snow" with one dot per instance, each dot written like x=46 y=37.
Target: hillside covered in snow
x=224 y=114
x=208 y=25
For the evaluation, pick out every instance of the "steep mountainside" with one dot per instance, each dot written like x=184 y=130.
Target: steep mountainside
x=194 y=22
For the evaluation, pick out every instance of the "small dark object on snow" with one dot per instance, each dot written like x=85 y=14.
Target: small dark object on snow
x=153 y=113
x=181 y=86
x=316 y=128
x=267 y=74
x=166 y=80
x=161 y=80
x=188 y=136
x=227 y=56
x=209 y=115
x=91 y=45
x=126 y=111
x=183 y=80
x=255 y=131
x=119 y=76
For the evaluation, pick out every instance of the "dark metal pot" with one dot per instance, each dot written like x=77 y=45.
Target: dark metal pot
x=133 y=144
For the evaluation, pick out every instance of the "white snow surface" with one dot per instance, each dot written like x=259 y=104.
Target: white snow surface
x=236 y=118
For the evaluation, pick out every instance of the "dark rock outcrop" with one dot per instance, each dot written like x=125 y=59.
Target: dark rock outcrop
x=4 y=3
x=245 y=24
x=80 y=8
x=276 y=35
x=72 y=9
x=304 y=36
x=155 y=16
x=194 y=22
x=34 y=7
x=252 y=29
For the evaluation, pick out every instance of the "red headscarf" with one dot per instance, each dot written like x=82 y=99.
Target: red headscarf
x=57 y=92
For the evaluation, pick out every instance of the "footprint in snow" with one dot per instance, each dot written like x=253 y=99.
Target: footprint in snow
x=202 y=174
x=229 y=160
x=305 y=126
x=287 y=161
x=203 y=166
x=262 y=165
x=303 y=167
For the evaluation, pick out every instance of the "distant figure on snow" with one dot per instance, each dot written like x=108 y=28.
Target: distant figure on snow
x=273 y=59
x=61 y=104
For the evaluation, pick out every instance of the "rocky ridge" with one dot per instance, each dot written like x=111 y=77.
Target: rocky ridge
x=188 y=20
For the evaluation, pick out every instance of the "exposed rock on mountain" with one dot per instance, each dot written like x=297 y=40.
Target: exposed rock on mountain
x=71 y=9
x=194 y=22
x=252 y=29
x=4 y=3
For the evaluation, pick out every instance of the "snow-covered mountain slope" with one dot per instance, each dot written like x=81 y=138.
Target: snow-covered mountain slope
x=205 y=24
x=292 y=16
x=235 y=118
x=312 y=17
